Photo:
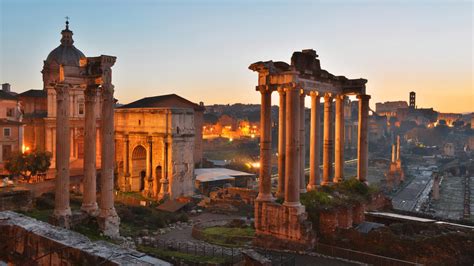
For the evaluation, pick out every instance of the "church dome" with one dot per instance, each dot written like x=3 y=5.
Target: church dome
x=65 y=54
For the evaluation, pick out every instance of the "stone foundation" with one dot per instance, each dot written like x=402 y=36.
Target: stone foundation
x=12 y=199
x=282 y=227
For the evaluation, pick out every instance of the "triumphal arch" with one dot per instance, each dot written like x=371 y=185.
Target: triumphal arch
x=285 y=225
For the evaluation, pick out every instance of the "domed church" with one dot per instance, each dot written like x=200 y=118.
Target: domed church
x=40 y=106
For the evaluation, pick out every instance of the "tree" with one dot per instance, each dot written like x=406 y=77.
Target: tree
x=28 y=164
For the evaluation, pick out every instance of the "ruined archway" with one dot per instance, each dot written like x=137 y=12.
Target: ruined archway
x=138 y=168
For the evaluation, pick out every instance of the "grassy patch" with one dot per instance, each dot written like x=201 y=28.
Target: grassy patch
x=228 y=236
x=136 y=218
x=176 y=255
x=41 y=215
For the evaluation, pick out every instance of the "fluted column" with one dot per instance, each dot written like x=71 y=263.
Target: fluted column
x=281 y=144
x=89 y=203
x=339 y=135
x=265 y=186
x=314 y=152
x=328 y=140
x=302 y=157
x=292 y=174
x=62 y=210
x=363 y=144
x=108 y=216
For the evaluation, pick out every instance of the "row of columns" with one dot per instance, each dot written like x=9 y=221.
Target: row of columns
x=105 y=210
x=291 y=142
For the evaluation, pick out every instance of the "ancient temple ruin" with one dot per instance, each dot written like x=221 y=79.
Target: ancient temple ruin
x=66 y=74
x=286 y=225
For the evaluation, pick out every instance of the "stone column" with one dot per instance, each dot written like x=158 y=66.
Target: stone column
x=153 y=187
x=302 y=156
x=328 y=140
x=314 y=152
x=62 y=210
x=108 y=218
x=363 y=144
x=89 y=203
x=281 y=144
x=292 y=173
x=339 y=135
x=398 y=148
x=127 y=164
x=164 y=193
x=265 y=184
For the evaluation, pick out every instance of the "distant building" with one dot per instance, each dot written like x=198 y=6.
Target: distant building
x=158 y=142
x=449 y=118
x=210 y=179
x=11 y=126
x=389 y=109
x=412 y=100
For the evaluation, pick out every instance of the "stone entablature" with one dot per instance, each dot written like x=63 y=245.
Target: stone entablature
x=155 y=149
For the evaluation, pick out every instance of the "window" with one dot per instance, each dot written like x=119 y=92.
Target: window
x=6 y=132
x=10 y=112
x=81 y=108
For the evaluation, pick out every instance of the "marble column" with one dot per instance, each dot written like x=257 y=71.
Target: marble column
x=62 y=210
x=363 y=144
x=281 y=144
x=153 y=186
x=292 y=173
x=109 y=220
x=302 y=157
x=328 y=140
x=89 y=203
x=339 y=136
x=265 y=184
x=314 y=152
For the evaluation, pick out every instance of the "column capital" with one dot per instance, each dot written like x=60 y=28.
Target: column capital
x=281 y=91
x=363 y=96
x=341 y=97
x=328 y=96
x=90 y=93
x=314 y=94
x=61 y=88
x=264 y=89
x=107 y=91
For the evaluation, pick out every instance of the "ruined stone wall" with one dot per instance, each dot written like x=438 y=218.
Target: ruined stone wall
x=15 y=199
x=26 y=241
x=281 y=227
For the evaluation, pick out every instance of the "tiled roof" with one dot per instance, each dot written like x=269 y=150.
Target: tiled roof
x=169 y=100
x=7 y=96
x=34 y=93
